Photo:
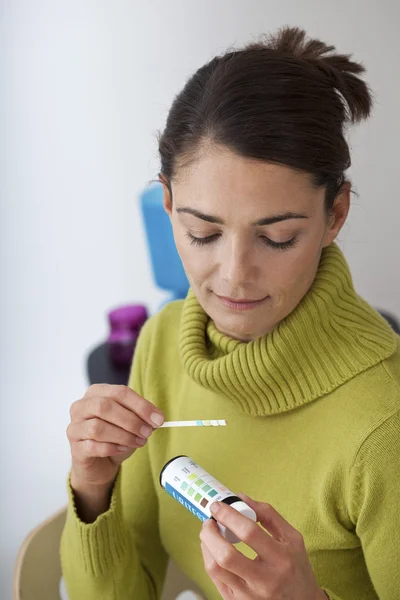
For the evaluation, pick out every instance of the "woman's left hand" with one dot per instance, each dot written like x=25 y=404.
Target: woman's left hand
x=281 y=570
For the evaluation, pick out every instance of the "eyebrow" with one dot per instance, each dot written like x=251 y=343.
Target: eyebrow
x=265 y=221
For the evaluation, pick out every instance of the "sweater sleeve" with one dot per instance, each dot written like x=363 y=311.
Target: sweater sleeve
x=374 y=493
x=330 y=595
x=374 y=497
x=120 y=555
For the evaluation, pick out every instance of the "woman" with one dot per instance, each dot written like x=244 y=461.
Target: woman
x=272 y=337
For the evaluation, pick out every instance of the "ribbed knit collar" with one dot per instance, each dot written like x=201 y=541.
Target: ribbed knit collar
x=331 y=336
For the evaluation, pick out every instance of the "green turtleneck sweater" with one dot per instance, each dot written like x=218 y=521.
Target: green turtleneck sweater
x=313 y=413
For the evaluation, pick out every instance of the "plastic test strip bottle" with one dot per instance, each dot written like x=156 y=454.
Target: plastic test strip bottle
x=196 y=490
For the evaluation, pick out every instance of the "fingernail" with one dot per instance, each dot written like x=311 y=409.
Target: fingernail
x=146 y=431
x=157 y=419
x=214 y=508
x=122 y=448
x=141 y=441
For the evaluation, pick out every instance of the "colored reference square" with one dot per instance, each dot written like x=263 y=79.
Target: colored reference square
x=184 y=485
x=199 y=482
x=192 y=476
x=212 y=493
x=191 y=491
x=197 y=497
x=204 y=502
x=207 y=487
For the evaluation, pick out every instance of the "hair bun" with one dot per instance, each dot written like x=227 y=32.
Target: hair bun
x=339 y=69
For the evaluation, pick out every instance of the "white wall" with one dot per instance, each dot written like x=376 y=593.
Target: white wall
x=87 y=84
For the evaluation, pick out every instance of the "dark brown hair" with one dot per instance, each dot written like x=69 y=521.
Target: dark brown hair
x=285 y=100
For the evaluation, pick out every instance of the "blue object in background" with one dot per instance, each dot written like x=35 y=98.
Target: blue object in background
x=167 y=266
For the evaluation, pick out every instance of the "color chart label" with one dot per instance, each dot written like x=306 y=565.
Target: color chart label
x=182 y=500
x=192 y=485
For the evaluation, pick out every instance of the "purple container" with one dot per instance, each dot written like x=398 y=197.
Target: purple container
x=125 y=325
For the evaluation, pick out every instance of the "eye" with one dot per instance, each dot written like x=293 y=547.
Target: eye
x=196 y=241
x=279 y=245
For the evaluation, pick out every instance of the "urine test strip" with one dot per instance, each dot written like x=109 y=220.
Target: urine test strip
x=198 y=423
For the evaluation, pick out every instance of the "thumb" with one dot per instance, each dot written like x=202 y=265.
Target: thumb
x=271 y=520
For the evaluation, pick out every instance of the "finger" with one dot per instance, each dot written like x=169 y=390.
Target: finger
x=272 y=521
x=247 y=531
x=224 y=553
x=130 y=400
x=217 y=573
x=90 y=449
x=102 y=431
x=108 y=409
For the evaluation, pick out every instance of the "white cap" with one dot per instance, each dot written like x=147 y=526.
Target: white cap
x=244 y=510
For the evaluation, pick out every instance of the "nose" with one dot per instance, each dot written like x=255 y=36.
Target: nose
x=237 y=267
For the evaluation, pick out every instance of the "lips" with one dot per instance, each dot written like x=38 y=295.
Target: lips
x=240 y=300
x=240 y=303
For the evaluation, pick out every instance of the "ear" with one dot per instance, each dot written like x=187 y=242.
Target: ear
x=338 y=214
x=167 y=198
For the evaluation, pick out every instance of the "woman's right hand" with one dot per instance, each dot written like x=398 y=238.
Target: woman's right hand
x=107 y=425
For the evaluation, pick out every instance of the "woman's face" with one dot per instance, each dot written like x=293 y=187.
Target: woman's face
x=250 y=236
